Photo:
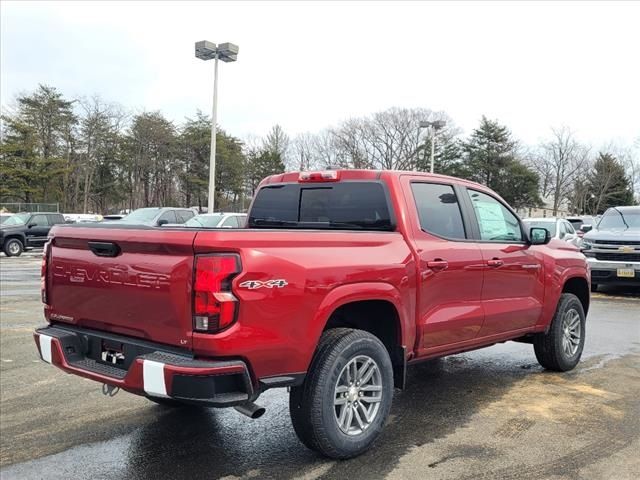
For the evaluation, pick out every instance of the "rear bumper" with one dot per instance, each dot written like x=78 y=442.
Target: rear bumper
x=606 y=272
x=151 y=369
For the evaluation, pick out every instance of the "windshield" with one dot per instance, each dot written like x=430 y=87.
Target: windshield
x=204 y=221
x=19 y=219
x=616 y=218
x=142 y=215
x=550 y=226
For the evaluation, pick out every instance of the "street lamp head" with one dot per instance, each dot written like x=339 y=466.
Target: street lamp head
x=205 y=50
x=436 y=125
x=228 y=52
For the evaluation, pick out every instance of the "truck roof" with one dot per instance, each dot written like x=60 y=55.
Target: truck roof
x=363 y=174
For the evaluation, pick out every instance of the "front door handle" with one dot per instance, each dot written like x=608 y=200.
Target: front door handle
x=495 y=262
x=438 y=264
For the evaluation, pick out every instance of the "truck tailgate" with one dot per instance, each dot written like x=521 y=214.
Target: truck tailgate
x=135 y=282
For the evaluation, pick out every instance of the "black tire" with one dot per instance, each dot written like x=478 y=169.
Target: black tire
x=311 y=405
x=549 y=346
x=13 y=247
x=594 y=287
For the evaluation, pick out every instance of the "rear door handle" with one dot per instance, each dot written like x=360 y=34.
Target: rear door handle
x=495 y=262
x=438 y=264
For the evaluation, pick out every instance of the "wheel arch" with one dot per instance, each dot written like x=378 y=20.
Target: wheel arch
x=16 y=236
x=579 y=287
x=373 y=307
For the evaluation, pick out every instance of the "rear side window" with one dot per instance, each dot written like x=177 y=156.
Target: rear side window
x=55 y=219
x=344 y=205
x=438 y=210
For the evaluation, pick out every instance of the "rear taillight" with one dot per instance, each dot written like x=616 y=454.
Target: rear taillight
x=214 y=305
x=43 y=272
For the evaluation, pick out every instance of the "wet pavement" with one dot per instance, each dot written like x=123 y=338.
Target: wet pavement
x=493 y=413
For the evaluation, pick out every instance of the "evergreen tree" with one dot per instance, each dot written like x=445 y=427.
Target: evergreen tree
x=491 y=159
x=34 y=147
x=19 y=162
x=609 y=184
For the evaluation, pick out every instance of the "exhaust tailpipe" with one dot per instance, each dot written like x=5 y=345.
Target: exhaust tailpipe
x=250 y=409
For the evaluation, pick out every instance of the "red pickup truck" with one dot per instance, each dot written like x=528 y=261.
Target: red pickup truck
x=341 y=280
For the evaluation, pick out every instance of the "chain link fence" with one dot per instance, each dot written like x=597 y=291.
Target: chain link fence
x=29 y=207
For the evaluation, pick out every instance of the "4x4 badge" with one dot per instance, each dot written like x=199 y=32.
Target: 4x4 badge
x=253 y=284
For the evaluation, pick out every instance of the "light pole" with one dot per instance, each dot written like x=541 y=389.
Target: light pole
x=434 y=126
x=227 y=52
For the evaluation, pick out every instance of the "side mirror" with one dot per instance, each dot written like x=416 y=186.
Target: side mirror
x=539 y=236
x=31 y=225
x=162 y=222
x=586 y=228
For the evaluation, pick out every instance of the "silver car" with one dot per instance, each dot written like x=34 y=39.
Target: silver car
x=559 y=228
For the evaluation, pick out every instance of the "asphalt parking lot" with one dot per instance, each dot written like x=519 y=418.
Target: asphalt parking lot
x=493 y=413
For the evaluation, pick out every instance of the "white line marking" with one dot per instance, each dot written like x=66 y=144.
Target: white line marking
x=153 y=378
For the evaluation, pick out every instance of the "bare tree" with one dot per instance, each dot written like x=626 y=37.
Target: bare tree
x=302 y=152
x=559 y=162
x=99 y=124
x=388 y=140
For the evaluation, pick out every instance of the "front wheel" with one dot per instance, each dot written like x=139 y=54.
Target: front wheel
x=341 y=407
x=13 y=247
x=561 y=347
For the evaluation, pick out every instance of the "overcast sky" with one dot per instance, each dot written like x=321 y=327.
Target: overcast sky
x=310 y=65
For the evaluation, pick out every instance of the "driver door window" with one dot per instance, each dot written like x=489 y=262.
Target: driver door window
x=495 y=221
x=39 y=221
x=169 y=216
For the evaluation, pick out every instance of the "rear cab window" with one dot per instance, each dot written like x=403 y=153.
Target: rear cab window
x=55 y=219
x=349 y=205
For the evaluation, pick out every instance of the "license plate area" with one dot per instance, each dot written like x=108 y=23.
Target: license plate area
x=112 y=353
x=626 y=272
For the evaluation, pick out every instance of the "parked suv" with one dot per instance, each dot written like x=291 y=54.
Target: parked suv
x=341 y=280
x=613 y=248
x=26 y=230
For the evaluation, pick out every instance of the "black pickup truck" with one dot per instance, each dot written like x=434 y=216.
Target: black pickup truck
x=25 y=230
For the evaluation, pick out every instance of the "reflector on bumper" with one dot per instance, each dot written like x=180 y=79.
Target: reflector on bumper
x=153 y=378
x=45 y=347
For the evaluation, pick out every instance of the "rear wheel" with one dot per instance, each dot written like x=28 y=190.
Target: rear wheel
x=561 y=347
x=13 y=247
x=341 y=408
